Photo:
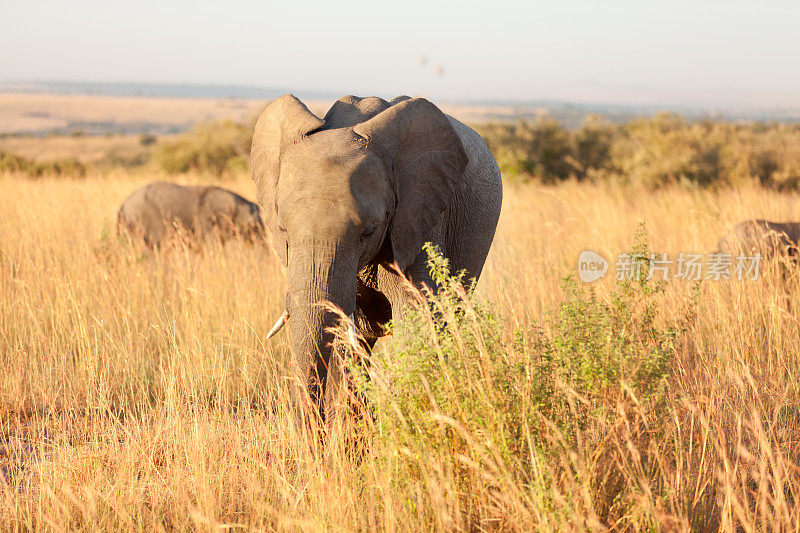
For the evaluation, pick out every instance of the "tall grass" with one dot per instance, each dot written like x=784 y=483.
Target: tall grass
x=138 y=391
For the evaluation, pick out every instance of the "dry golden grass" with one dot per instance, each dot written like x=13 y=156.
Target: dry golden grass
x=138 y=391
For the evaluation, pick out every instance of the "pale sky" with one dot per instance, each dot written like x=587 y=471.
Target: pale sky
x=599 y=51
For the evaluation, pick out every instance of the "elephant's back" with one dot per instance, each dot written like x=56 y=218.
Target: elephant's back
x=175 y=204
x=757 y=235
x=217 y=196
x=156 y=207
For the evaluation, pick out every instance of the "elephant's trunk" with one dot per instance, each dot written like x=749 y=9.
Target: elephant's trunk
x=318 y=276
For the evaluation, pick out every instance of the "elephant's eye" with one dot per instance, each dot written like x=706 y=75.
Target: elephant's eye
x=368 y=233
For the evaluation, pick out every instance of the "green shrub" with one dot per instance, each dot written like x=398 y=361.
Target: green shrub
x=67 y=167
x=218 y=148
x=592 y=145
x=454 y=391
x=665 y=149
x=595 y=346
x=126 y=156
x=14 y=164
x=542 y=149
x=654 y=152
x=550 y=150
x=146 y=139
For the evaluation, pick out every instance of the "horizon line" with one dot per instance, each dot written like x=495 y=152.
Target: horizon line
x=242 y=91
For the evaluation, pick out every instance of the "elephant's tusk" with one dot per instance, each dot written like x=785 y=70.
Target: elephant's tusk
x=278 y=325
x=352 y=335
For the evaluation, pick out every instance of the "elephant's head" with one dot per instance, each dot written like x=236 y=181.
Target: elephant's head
x=367 y=183
x=247 y=218
x=231 y=214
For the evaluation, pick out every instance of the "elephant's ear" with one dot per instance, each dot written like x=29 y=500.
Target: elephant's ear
x=284 y=121
x=427 y=161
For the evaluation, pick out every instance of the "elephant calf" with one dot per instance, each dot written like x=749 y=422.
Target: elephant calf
x=160 y=210
x=761 y=236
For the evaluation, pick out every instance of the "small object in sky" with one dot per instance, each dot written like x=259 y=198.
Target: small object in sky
x=438 y=70
x=423 y=60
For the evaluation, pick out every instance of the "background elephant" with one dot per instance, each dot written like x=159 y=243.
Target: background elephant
x=347 y=196
x=158 y=210
x=762 y=236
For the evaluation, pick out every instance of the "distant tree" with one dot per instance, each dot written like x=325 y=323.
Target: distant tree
x=592 y=145
x=220 y=148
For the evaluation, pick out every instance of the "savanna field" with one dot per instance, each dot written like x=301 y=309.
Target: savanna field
x=138 y=391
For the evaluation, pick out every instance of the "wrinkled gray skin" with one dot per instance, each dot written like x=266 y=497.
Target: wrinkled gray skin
x=158 y=210
x=349 y=195
x=762 y=236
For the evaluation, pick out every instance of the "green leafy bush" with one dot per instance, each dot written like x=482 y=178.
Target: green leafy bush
x=592 y=145
x=218 y=148
x=67 y=167
x=666 y=149
x=654 y=152
x=540 y=149
x=126 y=156
x=596 y=346
x=14 y=164
x=454 y=391
x=147 y=139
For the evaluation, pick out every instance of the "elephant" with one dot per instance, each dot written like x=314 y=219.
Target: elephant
x=158 y=211
x=350 y=200
x=770 y=239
